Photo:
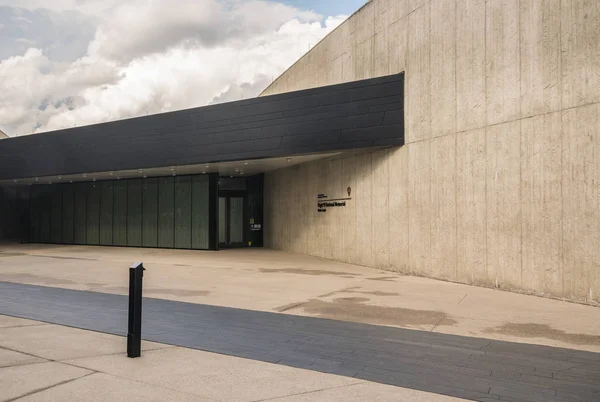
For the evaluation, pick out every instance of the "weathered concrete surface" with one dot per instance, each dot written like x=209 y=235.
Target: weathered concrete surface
x=465 y=367
x=23 y=379
x=503 y=199
x=540 y=56
x=541 y=140
x=581 y=223
x=443 y=67
x=166 y=373
x=55 y=342
x=502 y=61
x=471 y=208
x=580 y=50
x=260 y=280
x=470 y=65
x=485 y=73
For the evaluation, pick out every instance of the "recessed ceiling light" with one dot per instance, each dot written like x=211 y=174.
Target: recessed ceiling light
x=70 y=181
x=246 y=163
x=289 y=159
x=174 y=174
x=231 y=177
x=111 y=173
x=15 y=181
x=172 y=169
x=84 y=175
x=59 y=177
x=118 y=178
x=203 y=172
x=242 y=173
x=36 y=179
x=237 y=170
x=145 y=177
x=94 y=179
x=206 y=166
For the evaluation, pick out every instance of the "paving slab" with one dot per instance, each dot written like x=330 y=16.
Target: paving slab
x=21 y=380
x=56 y=342
x=12 y=358
x=367 y=391
x=7 y=321
x=100 y=387
x=175 y=374
x=215 y=376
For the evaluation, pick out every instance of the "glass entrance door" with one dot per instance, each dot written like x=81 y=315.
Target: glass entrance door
x=231 y=221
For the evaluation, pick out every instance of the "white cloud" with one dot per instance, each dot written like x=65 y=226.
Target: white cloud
x=25 y=41
x=90 y=7
x=149 y=58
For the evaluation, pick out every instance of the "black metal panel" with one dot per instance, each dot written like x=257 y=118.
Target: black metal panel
x=213 y=211
x=93 y=214
x=166 y=209
x=34 y=214
x=80 y=232
x=56 y=219
x=120 y=213
x=46 y=214
x=183 y=212
x=150 y=213
x=134 y=212
x=68 y=214
x=358 y=114
x=200 y=214
x=106 y=212
x=14 y=212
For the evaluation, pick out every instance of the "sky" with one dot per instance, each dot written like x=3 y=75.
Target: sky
x=66 y=63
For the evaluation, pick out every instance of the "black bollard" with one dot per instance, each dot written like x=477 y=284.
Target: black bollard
x=134 y=333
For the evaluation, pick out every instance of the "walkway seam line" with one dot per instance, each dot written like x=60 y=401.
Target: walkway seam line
x=154 y=385
x=310 y=392
x=22 y=326
x=37 y=391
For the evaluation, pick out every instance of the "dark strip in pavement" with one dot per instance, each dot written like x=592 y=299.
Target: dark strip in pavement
x=464 y=367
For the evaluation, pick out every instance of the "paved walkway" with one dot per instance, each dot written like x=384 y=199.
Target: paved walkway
x=42 y=362
x=274 y=281
x=470 y=368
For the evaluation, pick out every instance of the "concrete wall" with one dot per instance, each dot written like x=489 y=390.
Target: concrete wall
x=499 y=183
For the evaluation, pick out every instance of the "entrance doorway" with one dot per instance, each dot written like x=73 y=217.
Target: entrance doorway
x=231 y=221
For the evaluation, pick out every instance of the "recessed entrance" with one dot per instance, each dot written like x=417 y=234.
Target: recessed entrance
x=231 y=221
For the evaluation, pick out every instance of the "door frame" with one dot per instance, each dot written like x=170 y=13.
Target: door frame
x=228 y=194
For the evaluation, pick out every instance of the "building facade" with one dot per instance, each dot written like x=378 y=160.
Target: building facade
x=190 y=179
x=499 y=181
x=451 y=139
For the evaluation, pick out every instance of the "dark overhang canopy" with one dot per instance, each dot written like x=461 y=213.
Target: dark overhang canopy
x=360 y=114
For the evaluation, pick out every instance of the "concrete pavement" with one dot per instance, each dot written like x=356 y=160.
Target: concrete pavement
x=266 y=280
x=464 y=367
x=45 y=362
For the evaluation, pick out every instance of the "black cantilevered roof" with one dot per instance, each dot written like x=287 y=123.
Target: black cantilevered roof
x=360 y=114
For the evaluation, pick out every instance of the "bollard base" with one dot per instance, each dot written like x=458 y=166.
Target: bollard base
x=133 y=345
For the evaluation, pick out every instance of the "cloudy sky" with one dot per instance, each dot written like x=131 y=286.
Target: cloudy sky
x=75 y=62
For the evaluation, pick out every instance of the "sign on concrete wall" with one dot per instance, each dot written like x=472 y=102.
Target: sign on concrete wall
x=324 y=202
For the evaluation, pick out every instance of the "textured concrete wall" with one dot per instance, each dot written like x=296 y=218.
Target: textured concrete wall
x=498 y=184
